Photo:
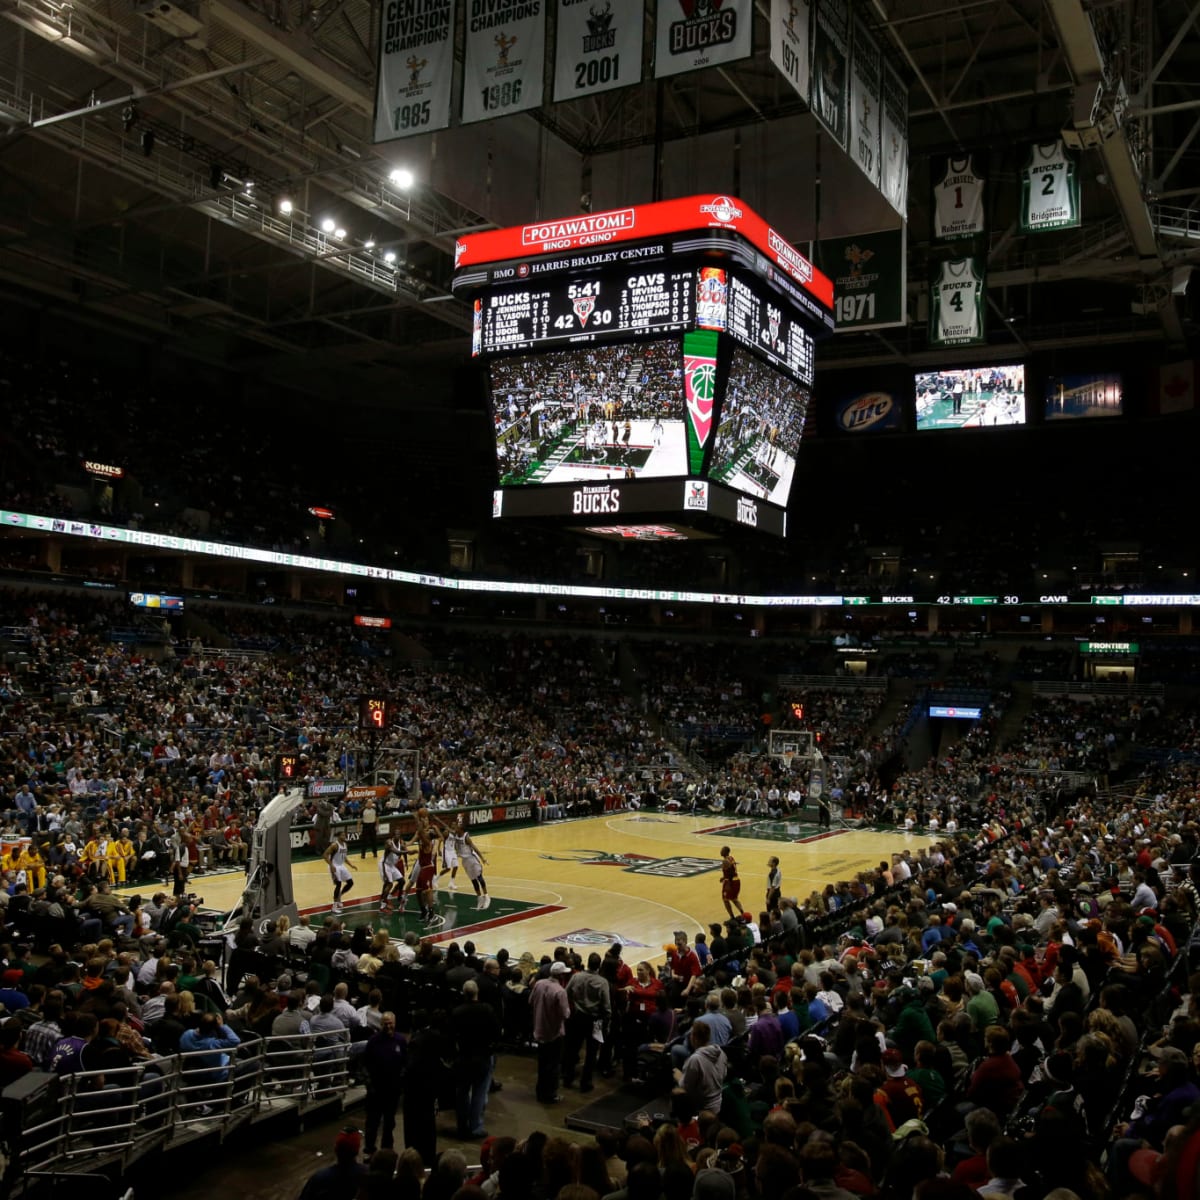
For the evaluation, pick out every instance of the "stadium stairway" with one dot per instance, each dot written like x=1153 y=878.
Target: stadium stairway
x=1014 y=718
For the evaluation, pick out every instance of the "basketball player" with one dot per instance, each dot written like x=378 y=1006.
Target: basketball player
x=657 y=429
x=472 y=860
x=426 y=869
x=339 y=870
x=731 y=885
x=450 y=855
x=774 y=883
x=392 y=869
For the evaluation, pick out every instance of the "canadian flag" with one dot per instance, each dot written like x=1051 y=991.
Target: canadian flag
x=1177 y=386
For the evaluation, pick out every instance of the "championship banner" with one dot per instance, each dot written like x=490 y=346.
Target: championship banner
x=791 y=45
x=504 y=60
x=870 y=278
x=598 y=49
x=893 y=176
x=1049 y=189
x=958 y=303
x=416 y=65
x=691 y=34
x=866 y=64
x=830 y=99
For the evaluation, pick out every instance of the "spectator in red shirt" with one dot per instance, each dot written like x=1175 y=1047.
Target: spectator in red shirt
x=982 y=1130
x=685 y=966
x=996 y=1083
x=13 y=1064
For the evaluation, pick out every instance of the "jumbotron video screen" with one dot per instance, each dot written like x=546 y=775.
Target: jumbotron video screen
x=590 y=414
x=762 y=421
x=971 y=398
x=649 y=366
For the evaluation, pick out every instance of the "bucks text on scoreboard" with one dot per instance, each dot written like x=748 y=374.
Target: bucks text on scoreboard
x=584 y=309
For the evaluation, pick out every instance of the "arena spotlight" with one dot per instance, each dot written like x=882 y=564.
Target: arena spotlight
x=286 y=206
x=339 y=233
x=328 y=225
x=369 y=244
x=402 y=177
x=390 y=257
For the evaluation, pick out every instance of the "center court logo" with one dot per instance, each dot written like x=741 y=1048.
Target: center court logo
x=723 y=208
x=600 y=858
x=595 y=937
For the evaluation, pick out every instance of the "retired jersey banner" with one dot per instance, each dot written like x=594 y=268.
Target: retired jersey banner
x=870 y=278
x=958 y=303
x=1049 y=189
x=416 y=65
x=893 y=173
x=691 y=34
x=599 y=47
x=504 y=61
x=866 y=65
x=791 y=45
x=830 y=100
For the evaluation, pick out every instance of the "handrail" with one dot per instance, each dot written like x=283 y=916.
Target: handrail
x=119 y=1113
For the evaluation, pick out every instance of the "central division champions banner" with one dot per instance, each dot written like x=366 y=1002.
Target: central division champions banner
x=791 y=49
x=505 y=57
x=691 y=34
x=893 y=176
x=416 y=65
x=830 y=100
x=598 y=48
x=865 y=66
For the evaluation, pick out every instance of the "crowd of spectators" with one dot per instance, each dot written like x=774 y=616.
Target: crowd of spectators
x=1019 y=983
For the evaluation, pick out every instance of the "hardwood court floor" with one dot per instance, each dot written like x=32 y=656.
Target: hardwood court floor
x=633 y=876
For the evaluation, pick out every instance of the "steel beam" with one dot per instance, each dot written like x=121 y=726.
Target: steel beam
x=296 y=52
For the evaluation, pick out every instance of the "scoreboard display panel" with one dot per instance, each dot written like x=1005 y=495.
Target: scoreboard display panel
x=590 y=413
x=646 y=360
x=762 y=421
x=764 y=325
x=584 y=310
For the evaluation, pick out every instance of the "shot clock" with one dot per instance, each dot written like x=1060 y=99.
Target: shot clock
x=374 y=713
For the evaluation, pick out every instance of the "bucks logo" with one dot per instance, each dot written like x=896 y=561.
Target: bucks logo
x=583 y=306
x=600 y=35
x=700 y=389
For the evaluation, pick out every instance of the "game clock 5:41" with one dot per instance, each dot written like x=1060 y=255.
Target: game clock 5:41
x=374 y=712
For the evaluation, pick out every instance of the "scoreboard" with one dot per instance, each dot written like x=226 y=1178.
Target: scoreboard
x=584 y=310
x=765 y=325
x=647 y=360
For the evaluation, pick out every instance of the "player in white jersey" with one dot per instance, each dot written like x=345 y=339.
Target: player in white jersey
x=958 y=201
x=391 y=872
x=452 y=845
x=956 y=304
x=472 y=861
x=339 y=871
x=1049 y=188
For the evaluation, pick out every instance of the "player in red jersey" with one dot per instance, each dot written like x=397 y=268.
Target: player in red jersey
x=731 y=885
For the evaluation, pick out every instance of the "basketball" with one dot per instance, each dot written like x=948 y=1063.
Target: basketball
x=423 y=813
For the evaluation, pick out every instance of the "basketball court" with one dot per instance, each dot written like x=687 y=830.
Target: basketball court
x=633 y=877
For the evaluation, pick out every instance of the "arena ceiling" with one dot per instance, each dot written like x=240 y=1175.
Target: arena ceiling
x=143 y=163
